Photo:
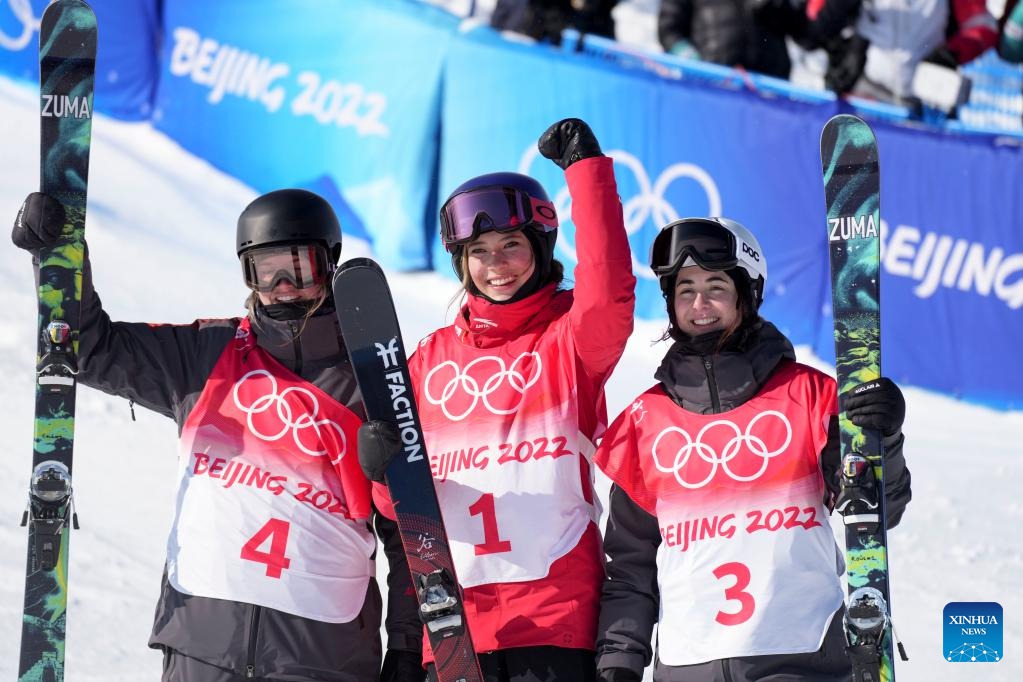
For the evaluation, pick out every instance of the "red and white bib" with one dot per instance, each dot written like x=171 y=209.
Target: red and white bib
x=272 y=504
x=747 y=564
x=509 y=459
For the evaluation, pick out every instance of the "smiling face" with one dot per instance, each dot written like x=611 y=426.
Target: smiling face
x=705 y=301
x=499 y=263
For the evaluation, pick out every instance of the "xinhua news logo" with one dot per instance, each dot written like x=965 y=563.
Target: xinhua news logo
x=973 y=632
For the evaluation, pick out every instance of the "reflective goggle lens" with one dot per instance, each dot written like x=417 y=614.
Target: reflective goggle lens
x=464 y=216
x=301 y=265
x=709 y=244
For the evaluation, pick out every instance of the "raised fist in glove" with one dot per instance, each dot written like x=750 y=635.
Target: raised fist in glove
x=402 y=666
x=568 y=141
x=379 y=442
x=39 y=223
x=876 y=405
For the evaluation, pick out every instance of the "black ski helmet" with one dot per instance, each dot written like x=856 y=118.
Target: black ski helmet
x=542 y=240
x=289 y=215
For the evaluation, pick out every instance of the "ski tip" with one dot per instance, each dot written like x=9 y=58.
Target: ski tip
x=844 y=119
x=360 y=262
x=356 y=264
x=68 y=29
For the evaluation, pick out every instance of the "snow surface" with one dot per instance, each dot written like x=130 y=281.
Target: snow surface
x=161 y=227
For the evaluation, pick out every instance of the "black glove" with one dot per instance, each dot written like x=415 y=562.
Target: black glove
x=846 y=59
x=402 y=666
x=618 y=675
x=942 y=56
x=379 y=442
x=876 y=405
x=39 y=223
x=568 y=141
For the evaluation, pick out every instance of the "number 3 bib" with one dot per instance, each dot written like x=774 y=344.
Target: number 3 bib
x=747 y=564
x=272 y=506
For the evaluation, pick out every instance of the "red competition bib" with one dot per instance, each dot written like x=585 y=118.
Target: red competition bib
x=272 y=504
x=503 y=431
x=748 y=563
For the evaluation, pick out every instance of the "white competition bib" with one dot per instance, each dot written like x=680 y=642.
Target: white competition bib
x=271 y=509
x=511 y=486
x=718 y=571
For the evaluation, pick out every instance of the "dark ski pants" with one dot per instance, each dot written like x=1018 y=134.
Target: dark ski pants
x=535 y=664
x=180 y=668
x=828 y=664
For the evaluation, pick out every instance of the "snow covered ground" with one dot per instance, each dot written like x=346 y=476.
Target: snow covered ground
x=161 y=227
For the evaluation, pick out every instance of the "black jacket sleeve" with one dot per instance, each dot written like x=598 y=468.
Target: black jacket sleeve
x=630 y=598
x=404 y=629
x=897 y=492
x=673 y=22
x=160 y=366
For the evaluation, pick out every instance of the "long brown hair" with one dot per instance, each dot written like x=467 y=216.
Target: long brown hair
x=557 y=275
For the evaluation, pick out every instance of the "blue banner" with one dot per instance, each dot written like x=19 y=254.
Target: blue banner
x=688 y=148
x=126 y=57
x=952 y=263
x=295 y=94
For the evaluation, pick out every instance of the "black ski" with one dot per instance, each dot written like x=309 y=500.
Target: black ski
x=67 y=57
x=370 y=329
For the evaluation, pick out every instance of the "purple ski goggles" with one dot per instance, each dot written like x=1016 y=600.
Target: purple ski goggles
x=501 y=209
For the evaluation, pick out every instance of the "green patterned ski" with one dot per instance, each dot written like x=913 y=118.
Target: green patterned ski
x=67 y=55
x=852 y=192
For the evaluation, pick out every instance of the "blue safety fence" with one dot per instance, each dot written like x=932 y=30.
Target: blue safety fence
x=285 y=94
x=712 y=141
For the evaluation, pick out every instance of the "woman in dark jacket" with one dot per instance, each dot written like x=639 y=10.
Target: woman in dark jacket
x=724 y=474
x=270 y=559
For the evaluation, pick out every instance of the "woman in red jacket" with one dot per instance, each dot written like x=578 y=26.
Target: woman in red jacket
x=511 y=400
x=724 y=473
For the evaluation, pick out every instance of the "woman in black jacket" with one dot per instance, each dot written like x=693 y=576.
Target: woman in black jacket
x=270 y=560
x=724 y=474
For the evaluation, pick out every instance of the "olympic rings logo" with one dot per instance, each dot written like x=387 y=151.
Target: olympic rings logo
x=22 y=10
x=460 y=385
x=294 y=421
x=726 y=458
x=648 y=203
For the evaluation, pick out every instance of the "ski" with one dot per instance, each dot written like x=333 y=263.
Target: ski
x=67 y=56
x=371 y=334
x=852 y=184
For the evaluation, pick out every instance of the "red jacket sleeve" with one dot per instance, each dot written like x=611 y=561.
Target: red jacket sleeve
x=604 y=297
x=978 y=30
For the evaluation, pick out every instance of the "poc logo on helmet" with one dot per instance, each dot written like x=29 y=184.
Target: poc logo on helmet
x=751 y=252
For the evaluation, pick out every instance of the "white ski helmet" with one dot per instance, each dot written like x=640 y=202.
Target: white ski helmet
x=713 y=244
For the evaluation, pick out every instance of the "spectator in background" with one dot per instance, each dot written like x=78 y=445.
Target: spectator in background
x=1010 y=44
x=746 y=33
x=902 y=33
x=546 y=19
x=830 y=25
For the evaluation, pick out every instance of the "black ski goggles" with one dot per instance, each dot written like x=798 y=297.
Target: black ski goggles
x=301 y=265
x=709 y=245
x=465 y=216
